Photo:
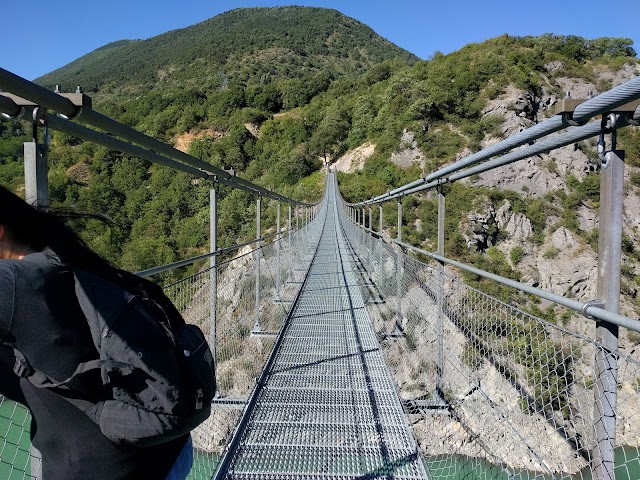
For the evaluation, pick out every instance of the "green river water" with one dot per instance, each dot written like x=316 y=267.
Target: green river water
x=15 y=463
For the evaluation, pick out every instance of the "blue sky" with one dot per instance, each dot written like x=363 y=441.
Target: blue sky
x=41 y=35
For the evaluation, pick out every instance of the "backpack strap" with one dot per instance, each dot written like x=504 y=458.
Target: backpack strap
x=23 y=369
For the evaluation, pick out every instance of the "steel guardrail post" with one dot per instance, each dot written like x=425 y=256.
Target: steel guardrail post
x=290 y=253
x=256 y=326
x=297 y=246
x=370 y=228
x=380 y=210
x=440 y=320
x=36 y=180
x=213 y=267
x=609 y=263
x=399 y=266
x=278 y=240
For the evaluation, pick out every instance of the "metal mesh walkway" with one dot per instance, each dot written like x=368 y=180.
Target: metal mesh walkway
x=327 y=407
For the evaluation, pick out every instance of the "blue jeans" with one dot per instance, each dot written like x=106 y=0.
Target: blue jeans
x=181 y=468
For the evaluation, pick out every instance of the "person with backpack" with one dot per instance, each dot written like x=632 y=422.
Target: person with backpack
x=112 y=375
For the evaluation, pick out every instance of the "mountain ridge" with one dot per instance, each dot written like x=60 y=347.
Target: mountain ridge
x=215 y=49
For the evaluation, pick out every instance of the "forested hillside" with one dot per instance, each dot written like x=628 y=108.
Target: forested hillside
x=301 y=48
x=273 y=92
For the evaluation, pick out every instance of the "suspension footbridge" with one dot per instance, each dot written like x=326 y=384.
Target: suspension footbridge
x=343 y=352
x=327 y=397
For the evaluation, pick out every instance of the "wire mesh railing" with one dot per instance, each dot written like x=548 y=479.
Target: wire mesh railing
x=491 y=390
x=17 y=459
x=249 y=315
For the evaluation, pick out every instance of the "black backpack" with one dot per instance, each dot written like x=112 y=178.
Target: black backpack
x=158 y=371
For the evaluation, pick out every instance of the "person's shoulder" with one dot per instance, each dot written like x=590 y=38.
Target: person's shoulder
x=43 y=260
x=7 y=269
x=34 y=265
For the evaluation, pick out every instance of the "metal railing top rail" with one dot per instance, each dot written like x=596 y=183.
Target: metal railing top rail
x=601 y=104
x=53 y=101
x=588 y=309
x=87 y=134
x=221 y=251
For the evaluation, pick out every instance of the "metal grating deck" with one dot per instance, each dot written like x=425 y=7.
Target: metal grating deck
x=328 y=407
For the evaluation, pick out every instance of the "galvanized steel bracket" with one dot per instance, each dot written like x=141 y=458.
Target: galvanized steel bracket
x=593 y=303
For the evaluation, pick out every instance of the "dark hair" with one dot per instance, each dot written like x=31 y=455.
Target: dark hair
x=41 y=229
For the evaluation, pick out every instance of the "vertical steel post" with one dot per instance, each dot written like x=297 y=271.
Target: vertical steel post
x=399 y=236
x=297 y=213
x=380 y=219
x=256 y=326
x=278 y=241
x=36 y=182
x=289 y=252
x=606 y=365
x=439 y=394
x=398 y=264
x=213 y=264
x=370 y=230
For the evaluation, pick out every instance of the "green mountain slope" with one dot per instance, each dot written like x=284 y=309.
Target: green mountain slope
x=247 y=46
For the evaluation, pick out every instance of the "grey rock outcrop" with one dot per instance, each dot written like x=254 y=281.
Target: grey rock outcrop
x=409 y=153
x=517 y=225
x=480 y=228
x=571 y=270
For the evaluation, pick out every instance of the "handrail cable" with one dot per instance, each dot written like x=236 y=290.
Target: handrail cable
x=603 y=103
x=544 y=146
x=63 y=106
x=221 y=251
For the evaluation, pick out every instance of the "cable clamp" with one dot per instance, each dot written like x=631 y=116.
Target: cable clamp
x=73 y=116
x=633 y=121
x=593 y=303
x=567 y=118
x=17 y=116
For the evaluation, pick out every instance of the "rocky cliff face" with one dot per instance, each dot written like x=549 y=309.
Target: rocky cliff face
x=564 y=262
